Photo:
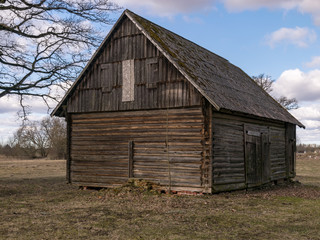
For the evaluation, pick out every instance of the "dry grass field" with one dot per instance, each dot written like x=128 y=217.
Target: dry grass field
x=36 y=203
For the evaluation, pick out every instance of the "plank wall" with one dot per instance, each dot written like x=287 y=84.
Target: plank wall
x=229 y=150
x=158 y=84
x=168 y=148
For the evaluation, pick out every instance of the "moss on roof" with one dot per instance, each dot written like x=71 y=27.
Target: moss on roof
x=224 y=85
x=216 y=78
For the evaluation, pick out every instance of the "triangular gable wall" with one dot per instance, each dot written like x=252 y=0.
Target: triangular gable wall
x=158 y=84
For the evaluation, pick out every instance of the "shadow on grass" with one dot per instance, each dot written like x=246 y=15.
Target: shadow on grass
x=35 y=185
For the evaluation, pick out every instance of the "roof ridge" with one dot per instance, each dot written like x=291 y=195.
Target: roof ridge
x=130 y=12
x=223 y=84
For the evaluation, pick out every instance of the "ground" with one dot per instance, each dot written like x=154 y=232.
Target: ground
x=36 y=203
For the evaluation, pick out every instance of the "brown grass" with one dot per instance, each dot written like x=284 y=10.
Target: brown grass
x=36 y=203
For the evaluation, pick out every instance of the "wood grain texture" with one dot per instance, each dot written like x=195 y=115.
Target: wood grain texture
x=163 y=143
x=157 y=83
x=229 y=145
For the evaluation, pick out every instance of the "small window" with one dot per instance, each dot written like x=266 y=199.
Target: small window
x=128 y=81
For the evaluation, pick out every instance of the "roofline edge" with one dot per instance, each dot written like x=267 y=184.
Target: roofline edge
x=187 y=76
x=88 y=64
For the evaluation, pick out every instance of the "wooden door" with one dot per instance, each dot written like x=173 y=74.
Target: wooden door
x=253 y=160
x=257 y=158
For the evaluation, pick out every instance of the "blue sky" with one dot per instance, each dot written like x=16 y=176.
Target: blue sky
x=280 y=38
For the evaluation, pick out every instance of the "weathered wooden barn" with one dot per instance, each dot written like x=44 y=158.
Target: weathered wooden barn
x=153 y=105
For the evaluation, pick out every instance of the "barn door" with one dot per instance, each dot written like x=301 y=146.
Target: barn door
x=253 y=159
x=257 y=158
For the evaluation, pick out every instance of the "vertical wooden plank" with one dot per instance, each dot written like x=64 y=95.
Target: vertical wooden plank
x=290 y=149
x=130 y=158
x=245 y=153
x=206 y=148
x=210 y=147
x=68 y=163
x=266 y=165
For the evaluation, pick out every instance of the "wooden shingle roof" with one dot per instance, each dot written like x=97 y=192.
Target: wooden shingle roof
x=224 y=85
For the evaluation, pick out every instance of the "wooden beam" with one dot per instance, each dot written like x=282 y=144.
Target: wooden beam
x=130 y=156
x=68 y=163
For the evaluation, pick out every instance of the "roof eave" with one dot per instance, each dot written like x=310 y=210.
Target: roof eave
x=296 y=122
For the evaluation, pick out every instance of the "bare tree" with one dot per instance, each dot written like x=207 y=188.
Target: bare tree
x=44 y=138
x=266 y=82
x=288 y=103
x=56 y=131
x=45 y=43
x=32 y=139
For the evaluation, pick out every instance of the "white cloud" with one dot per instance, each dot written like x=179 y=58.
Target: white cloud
x=167 y=8
x=9 y=108
x=298 y=36
x=241 y=5
x=312 y=7
x=310 y=115
x=189 y=19
x=8 y=125
x=315 y=62
x=305 y=86
x=10 y=104
x=308 y=136
x=295 y=83
x=305 y=6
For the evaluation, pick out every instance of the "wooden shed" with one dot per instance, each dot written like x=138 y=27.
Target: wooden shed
x=152 y=105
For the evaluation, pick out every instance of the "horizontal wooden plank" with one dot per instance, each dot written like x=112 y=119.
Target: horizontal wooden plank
x=139 y=134
x=138 y=126
x=228 y=187
x=99 y=165
x=152 y=138
x=152 y=143
x=138 y=148
x=98 y=179
x=97 y=147
x=164 y=159
x=154 y=113
x=190 y=154
x=175 y=176
x=228 y=171
x=98 y=184
x=98 y=152
x=228 y=180
x=175 y=183
x=157 y=166
x=99 y=173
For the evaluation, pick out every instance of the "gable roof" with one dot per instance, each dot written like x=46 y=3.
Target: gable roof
x=224 y=85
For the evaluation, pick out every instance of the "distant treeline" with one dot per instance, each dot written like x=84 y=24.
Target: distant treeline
x=38 y=139
x=308 y=148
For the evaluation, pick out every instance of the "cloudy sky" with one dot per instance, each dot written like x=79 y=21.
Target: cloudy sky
x=280 y=38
